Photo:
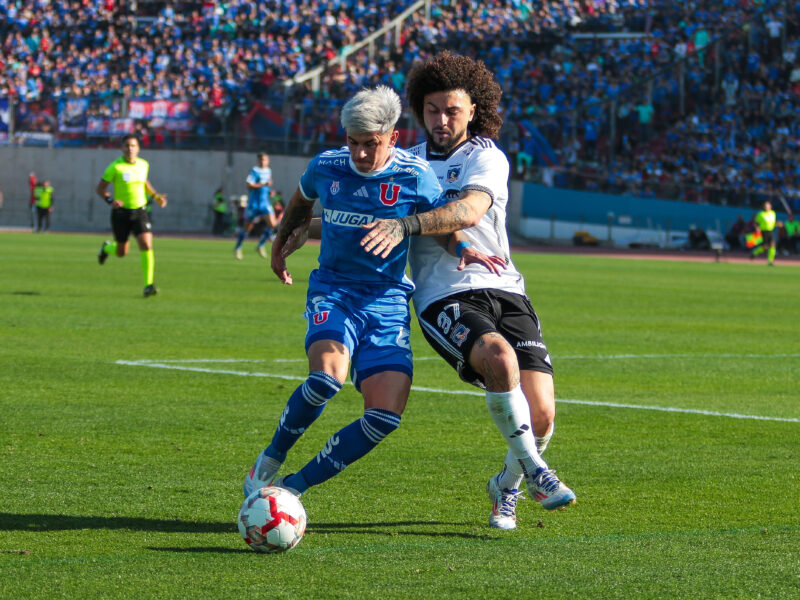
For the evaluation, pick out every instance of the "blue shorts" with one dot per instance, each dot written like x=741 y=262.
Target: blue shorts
x=255 y=213
x=375 y=329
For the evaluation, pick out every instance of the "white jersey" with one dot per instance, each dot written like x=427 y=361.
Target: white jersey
x=477 y=164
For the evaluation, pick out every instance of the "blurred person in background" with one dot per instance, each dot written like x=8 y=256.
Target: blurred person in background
x=44 y=205
x=259 y=208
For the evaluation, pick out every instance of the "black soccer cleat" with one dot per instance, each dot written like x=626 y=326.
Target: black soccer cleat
x=102 y=255
x=150 y=290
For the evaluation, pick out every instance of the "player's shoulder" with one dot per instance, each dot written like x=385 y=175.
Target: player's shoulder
x=482 y=149
x=478 y=145
x=420 y=149
x=410 y=163
x=332 y=158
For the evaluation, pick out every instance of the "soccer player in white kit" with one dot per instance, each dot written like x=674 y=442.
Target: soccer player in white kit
x=482 y=324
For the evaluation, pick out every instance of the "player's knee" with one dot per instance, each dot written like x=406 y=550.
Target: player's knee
x=542 y=420
x=496 y=361
x=320 y=387
x=377 y=423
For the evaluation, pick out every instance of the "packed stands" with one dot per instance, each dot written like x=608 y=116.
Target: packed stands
x=687 y=100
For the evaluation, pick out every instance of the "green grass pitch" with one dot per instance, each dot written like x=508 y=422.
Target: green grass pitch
x=128 y=424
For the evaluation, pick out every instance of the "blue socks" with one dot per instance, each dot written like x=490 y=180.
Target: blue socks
x=304 y=406
x=268 y=233
x=345 y=447
x=241 y=234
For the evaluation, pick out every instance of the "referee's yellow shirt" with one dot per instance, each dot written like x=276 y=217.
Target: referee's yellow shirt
x=128 y=181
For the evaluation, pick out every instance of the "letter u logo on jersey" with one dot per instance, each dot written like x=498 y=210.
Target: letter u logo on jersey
x=386 y=198
x=321 y=317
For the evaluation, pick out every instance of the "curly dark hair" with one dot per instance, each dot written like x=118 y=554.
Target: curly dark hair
x=454 y=72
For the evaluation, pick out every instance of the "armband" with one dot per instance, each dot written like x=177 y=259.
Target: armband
x=108 y=199
x=460 y=247
x=410 y=225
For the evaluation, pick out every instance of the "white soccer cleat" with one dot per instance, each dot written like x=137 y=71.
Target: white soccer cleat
x=548 y=490
x=261 y=251
x=504 y=505
x=239 y=256
x=261 y=475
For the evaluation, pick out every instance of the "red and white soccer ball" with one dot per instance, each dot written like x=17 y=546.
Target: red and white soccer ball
x=272 y=520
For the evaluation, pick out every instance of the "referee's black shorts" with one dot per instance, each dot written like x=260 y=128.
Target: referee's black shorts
x=126 y=221
x=454 y=324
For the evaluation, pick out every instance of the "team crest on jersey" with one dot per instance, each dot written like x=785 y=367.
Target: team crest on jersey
x=321 y=317
x=335 y=188
x=460 y=334
x=390 y=194
x=453 y=173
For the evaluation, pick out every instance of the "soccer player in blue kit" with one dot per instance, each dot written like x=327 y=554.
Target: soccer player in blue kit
x=357 y=302
x=259 y=208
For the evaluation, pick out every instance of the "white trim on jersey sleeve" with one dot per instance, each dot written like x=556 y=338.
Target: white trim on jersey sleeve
x=303 y=192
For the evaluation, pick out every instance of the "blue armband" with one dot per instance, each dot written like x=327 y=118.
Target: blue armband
x=461 y=246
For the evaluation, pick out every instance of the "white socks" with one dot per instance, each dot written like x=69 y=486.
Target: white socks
x=510 y=413
x=511 y=476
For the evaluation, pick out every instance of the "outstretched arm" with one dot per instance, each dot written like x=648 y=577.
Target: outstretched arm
x=297 y=215
x=465 y=212
x=457 y=244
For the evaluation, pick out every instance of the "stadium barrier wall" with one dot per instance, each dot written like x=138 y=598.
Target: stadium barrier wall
x=189 y=178
x=555 y=214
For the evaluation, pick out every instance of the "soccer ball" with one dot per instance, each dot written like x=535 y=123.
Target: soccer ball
x=272 y=519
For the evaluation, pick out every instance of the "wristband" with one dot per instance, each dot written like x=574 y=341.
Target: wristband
x=108 y=199
x=460 y=248
x=410 y=225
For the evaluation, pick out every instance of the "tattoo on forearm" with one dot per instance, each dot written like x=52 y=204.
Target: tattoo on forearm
x=445 y=219
x=293 y=218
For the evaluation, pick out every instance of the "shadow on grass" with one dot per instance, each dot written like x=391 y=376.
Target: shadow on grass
x=39 y=522
x=395 y=529
x=204 y=549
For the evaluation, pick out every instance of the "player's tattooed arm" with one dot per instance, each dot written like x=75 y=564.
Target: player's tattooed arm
x=465 y=212
x=297 y=215
x=301 y=234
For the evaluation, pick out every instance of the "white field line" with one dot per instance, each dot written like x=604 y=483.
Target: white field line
x=180 y=365
x=646 y=356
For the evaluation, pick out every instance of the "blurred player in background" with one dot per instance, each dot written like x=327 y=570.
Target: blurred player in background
x=357 y=302
x=483 y=325
x=128 y=177
x=259 y=208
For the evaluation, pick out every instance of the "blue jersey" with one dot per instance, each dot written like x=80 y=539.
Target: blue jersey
x=258 y=199
x=407 y=185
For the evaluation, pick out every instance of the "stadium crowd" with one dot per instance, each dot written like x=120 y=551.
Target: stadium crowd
x=565 y=91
